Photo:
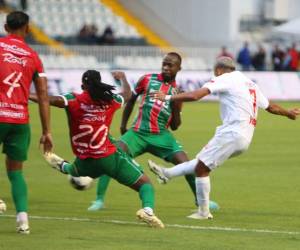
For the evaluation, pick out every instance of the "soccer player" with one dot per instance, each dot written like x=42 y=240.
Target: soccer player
x=240 y=98
x=149 y=132
x=90 y=114
x=19 y=66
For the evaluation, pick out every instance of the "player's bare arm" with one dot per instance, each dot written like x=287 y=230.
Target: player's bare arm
x=176 y=113
x=278 y=110
x=128 y=110
x=184 y=97
x=126 y=91
x=57 y=101
x=43 y=102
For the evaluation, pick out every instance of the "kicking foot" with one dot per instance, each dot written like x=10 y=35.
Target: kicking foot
x=158 y=171
x=151 y=220
x=96 y=205
x=200 y=216
x=54 y=161
x=23 y=228
x=2 y=206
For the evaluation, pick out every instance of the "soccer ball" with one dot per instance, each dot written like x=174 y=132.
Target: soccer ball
x=80 y=183
x=2 y=206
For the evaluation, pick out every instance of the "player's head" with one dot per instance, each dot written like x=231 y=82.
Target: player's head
x=17 y=22
x=171 y=64
x=99 y=91
x=224 y=64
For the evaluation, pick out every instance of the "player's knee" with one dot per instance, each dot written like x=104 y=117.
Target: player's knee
x=201 y=169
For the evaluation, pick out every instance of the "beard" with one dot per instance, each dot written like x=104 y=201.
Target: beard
x=167 y=78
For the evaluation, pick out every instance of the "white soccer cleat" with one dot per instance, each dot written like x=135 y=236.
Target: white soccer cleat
x=54 y=160
x=158 y=171
x=23 y=228
x=151 y=220
x=201 y=216
x=2 y=206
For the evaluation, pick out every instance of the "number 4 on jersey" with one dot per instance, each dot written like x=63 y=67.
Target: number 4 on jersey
x=12 y=83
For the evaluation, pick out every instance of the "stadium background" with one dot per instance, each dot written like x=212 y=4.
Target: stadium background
x=258 y=192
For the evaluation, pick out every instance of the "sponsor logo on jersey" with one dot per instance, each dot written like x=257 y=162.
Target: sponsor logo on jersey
x=8 y=57
x=15 y=49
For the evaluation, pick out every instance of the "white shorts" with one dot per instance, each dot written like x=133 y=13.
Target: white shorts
x=221 y=147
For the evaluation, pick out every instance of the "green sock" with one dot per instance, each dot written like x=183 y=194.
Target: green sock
x=102 y=186
x=18 y=190
x=68 y=169
x=146 y=193
x=191 y=181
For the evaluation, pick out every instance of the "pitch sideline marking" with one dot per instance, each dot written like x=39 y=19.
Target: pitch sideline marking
x=228 y=229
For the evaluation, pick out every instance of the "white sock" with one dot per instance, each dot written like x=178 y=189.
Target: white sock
x=181 y=169
x=203 y=190
x=148 y=210
x=22 y=217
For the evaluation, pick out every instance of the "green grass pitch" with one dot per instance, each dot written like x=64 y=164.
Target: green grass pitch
x=258 y=193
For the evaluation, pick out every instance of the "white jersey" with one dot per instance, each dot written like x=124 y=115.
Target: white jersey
x=239 y=98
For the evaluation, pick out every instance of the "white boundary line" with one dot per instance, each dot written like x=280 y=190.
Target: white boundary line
x=226 y=229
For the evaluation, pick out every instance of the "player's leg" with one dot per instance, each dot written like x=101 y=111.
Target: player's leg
x=181 y=157
x=16 y=147
x=130 y=174
x=102 y=186
x=220 y=148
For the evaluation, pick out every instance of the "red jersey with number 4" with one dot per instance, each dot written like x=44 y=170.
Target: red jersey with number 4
x=18 y=66
x=89 y=124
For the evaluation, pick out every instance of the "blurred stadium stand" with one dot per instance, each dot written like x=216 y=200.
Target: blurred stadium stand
x=61 y=21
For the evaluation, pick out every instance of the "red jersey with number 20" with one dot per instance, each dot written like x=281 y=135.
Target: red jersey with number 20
x=18 y=66
x=89 y=123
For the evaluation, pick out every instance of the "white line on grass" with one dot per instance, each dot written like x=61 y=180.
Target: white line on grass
x=229 y=229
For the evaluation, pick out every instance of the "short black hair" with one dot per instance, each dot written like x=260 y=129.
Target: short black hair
x=16 y=20
x=176 y=55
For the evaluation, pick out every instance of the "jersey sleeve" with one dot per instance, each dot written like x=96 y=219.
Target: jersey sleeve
x=262 y=101
x=39 y=68
x=67 y=97
x=141 y=85
x=118 y=99
x=217 y=85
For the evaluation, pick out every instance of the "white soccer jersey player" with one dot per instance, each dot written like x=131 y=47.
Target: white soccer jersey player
x=240 y=99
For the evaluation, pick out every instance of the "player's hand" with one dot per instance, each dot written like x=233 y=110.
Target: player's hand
x=123 y=130
x=293 y=113
x=118 y=75
x=158 y=95
x=46 y=142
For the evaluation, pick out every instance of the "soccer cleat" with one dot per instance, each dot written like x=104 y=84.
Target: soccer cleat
x=54 y=161
x=23 y=228
x=151 y=220
x=158 y=171
x=200 y=216
x=96 y=205
x=2 y=206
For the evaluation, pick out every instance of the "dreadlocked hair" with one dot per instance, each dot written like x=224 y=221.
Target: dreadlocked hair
x=98 y=90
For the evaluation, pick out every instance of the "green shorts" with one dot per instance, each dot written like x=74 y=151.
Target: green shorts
x=162 y=145
x=118 y=166
x=16 y=140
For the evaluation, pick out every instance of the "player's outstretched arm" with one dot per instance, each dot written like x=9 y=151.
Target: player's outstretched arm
x=183 y=97
x=278 y=110
x=57 y=101
x=126 y=90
